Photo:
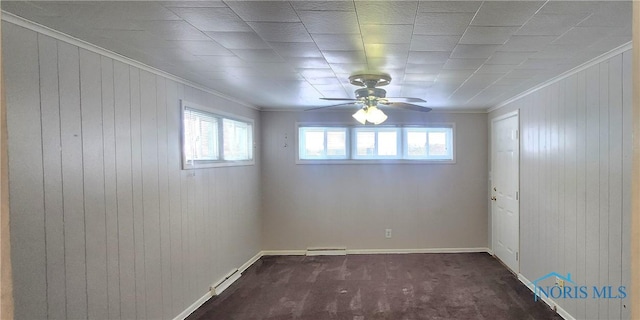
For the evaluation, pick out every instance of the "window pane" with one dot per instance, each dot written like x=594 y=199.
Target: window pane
x=438 y=144
x=336 y=143
x=387 y=143
x=237 y=137
x=416 y=143
x=314 y=143
x=365 y=143
x=200 y=136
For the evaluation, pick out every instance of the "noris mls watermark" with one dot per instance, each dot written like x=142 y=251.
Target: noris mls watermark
x=567 y=288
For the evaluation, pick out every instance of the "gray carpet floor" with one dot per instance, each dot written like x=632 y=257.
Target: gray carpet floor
x=384 y=286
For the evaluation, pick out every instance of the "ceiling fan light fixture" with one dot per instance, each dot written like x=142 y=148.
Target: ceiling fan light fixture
x=360 y=116
x=375 y=115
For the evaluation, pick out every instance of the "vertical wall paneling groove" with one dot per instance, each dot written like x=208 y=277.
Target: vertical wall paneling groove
x=105 y=223
x=615 y=181
x=27 y=205
x=126 y=240
x=603 y=162
x=575 y=178
x=138 y=191
x=581 y=180
x=110 y=191
x=163 y=186
x=175 y=210
x=150 y=199
x=593 y=180
x=93 y=173
x=52 y=164
x=72 y=180
x=627 y=159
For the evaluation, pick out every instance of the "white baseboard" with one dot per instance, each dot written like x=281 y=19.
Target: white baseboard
x=284 y=252
x=550 y=302
x=422 y=250
x=184 y=314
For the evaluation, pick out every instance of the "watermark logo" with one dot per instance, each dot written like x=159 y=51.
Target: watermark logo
x=567 y=288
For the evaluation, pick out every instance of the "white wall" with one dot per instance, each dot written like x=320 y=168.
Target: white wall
x=575 y=182
x=104 y=222
x=427 y=206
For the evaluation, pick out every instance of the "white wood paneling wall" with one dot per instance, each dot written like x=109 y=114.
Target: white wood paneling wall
x=104 y=222
x=575 y=183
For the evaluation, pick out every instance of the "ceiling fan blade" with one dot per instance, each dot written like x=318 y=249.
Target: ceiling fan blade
x=406 y=99
x=338 y=99
x=409 y=106
x=331 y=106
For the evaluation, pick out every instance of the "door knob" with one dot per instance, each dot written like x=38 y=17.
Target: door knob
x=494 y=198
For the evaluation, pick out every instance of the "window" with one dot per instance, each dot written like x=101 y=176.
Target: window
x=398 y=144
x=212 y=140
x=322 y=143
x=376 y=143
x=429 y=143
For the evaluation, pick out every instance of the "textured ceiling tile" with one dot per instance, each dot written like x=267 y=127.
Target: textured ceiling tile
x=611 y=14
x=570 y=7
x=317 y=73
x=347 y=68
x=387 y=50
x=257 y=55
x=422 y=77
x=495 y=68
x=323 y=5
x=172 y=30
x=449 y=6
x=505 y=13
x=281 y=31
x=465 y=51
x=344 y=56
x=193 y=4
x=238 y=40
x=582 y=36
x=510 y=58
x=212 y=19
x=342 y=42
x=527 y=43
x=386 y=12
x=424 y=68
x=383 y=64
x=274 y=11
x=430 y=23
x=296 y=49
x=330 y=21
x=400 y=33
x=203 y=48
x=550 y=24
x=428 y=57
x=308 y=63
x=143 y=10
x=487 y=35
x=472 y=64
x=433 y=43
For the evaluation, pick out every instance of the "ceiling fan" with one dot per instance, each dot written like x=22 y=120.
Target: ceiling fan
x=370 y=97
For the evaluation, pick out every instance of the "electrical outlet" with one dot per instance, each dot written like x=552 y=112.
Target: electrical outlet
x=387 y=233
x=559 y=282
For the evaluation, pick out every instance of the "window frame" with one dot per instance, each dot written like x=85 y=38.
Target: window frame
x=220 y=116
x=401 y=146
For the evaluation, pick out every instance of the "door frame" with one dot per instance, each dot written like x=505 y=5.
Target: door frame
x=515 y=113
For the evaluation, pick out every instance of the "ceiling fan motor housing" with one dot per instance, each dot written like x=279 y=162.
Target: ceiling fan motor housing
x=365 y=93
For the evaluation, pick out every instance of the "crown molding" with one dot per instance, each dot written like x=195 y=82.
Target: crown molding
x=33 y=26
x=601 y=58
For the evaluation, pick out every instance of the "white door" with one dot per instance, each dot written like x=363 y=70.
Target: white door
x=505 y=214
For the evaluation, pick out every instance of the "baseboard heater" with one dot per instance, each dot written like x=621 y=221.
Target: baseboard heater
x=227 y=281
x=325 y=251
